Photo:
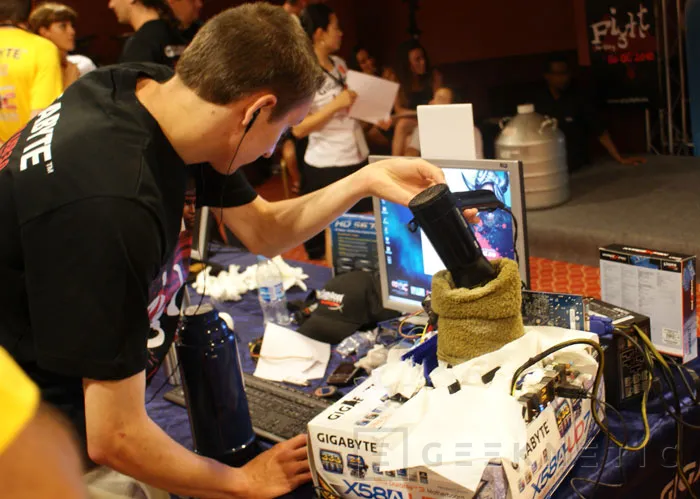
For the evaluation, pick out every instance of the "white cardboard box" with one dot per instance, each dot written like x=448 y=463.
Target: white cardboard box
x=659 y=285
x=346 y=451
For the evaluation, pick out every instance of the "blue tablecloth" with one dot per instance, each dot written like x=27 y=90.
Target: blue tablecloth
x=648 y=473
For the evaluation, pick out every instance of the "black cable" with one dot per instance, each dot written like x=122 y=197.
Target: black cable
x=543 y=355
x=597 y=481
x=667 y=380
x=683 y=372
x=515 y=234
x=667 y=408
x=680 y=424
x=667 y=375
x=650 y=354
x=204 y=291
x=221 y=206
x=167 y=380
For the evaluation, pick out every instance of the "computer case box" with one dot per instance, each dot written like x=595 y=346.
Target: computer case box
x=626 y=371
x=354 y=244
x=346 y=448
x=658 y=284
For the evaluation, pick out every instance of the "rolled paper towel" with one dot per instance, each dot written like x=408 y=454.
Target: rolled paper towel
x=474 y=322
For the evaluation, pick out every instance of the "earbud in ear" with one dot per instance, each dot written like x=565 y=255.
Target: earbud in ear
x=252 y=120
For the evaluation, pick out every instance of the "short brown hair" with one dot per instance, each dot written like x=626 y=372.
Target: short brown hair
x=15 y=11
x=50 y=12
x=251 y=48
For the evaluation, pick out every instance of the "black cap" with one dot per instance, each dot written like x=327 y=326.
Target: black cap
x=348 y=303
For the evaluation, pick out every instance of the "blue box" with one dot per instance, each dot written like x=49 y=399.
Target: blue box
x=354 y=244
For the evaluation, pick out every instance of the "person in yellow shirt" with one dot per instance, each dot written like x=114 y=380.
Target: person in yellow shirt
x=38 y=456
x=30 y=70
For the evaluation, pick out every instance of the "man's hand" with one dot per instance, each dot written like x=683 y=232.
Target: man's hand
x=277 y=471
x=632 y=161
x=399 y=179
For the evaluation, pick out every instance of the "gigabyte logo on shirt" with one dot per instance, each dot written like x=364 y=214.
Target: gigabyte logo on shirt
x=38 y=148
x=334 y=301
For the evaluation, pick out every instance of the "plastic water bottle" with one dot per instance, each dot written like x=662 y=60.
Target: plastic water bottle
x=357 y=344
x=273 y=300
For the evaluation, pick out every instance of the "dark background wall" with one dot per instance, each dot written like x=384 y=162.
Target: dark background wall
x=492 y=51
x=453 y=30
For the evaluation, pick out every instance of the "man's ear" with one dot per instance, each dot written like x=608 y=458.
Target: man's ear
x=317 y=33
x=264 y=103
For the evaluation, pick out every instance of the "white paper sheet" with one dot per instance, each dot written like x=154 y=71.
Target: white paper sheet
x=375 y=97
x=459 y=432
x=286 y=354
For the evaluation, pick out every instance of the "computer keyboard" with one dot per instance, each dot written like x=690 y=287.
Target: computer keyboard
x=278 y=412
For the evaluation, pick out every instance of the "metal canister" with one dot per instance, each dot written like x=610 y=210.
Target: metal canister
x=540 y=145
x=214 y=389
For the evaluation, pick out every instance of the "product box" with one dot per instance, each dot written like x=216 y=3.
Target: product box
x=346 y=445
x=354 y=244
x=659 y=285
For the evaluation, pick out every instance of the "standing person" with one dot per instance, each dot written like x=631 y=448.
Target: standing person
x=156 y=38
x=187 y=13
x=30 y=79
x=337 y=146
x=379 y=137
x=91 y=204
x=419 y=81
x=576 y=114
x=56 y=22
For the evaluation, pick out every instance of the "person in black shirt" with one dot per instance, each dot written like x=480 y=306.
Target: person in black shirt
x=187 y=13
x=576 y=115
x=92 y=194
x=156 y=37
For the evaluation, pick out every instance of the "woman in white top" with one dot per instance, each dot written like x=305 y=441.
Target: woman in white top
x=55 y=22
x=337 y=146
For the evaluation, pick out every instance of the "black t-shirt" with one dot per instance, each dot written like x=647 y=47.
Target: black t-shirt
x=577 y=115
x=189 y=33
x=92 y=253
x=155 y=41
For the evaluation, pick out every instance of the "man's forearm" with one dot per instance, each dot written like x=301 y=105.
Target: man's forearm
x=288 y=223
x=147 y=453
x=607 y=142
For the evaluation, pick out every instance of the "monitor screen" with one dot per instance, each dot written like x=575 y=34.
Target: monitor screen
x=408 y=260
